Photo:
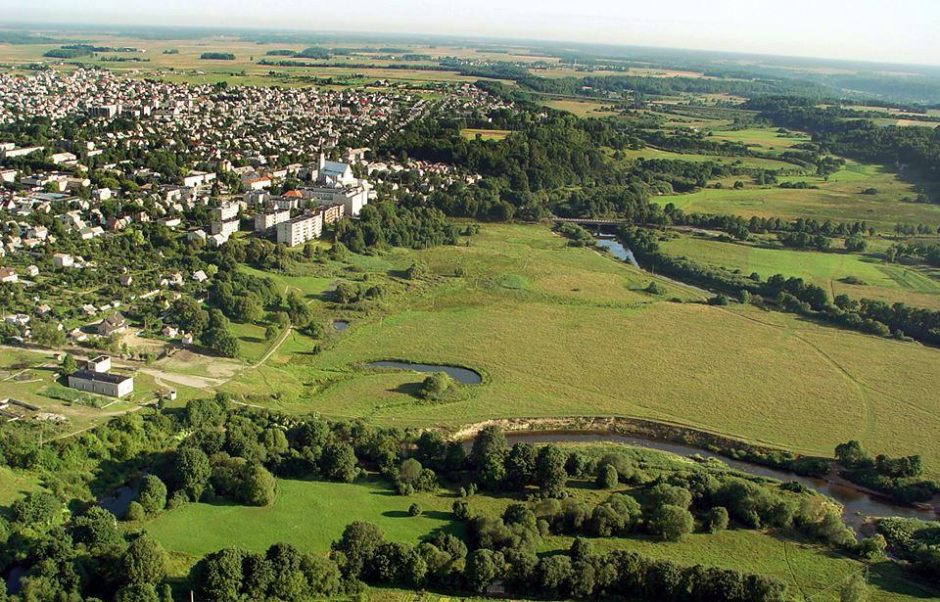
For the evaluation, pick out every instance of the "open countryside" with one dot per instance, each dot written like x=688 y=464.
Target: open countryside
x=298 y=315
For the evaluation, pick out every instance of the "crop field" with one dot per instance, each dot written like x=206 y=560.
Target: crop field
x=886 y=282
x=559 y=331
x=840 y=198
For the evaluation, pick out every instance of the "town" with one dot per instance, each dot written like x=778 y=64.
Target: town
x=204 y=162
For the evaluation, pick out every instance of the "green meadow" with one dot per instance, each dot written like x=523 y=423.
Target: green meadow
x=558 y=331
x=887 y=282
x=308 y=514
x=841 y=198
x=742 y=161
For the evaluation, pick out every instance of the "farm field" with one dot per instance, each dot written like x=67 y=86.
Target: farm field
x=840 y=198
x=919 y=287
x=559 y=331
x=767 y=139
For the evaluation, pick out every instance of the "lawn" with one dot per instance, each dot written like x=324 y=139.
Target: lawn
x=559 y=331
x=886 y=282
x=308 y=514
x=582 y=108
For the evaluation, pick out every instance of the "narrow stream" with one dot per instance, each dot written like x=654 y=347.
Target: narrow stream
x=857 y=505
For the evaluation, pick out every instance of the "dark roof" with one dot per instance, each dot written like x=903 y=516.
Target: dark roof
x=102 y=377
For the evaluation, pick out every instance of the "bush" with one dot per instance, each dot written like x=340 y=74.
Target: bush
x=607 y=477
x=671 y=523
x=716 y=520
x=461 y=509
x=655 y=289
x=437 y=387
x=135 y=512
x=152 y=494
x=414 y=510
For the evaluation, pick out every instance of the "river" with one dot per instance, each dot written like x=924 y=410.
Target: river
x=857 y=505
x=616 y=248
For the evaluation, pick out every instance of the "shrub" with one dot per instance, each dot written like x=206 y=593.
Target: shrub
x=607 y=477
x=716 y=519
x=671 y=523
x=414 y=510
x=152 y=494
x=135 y=512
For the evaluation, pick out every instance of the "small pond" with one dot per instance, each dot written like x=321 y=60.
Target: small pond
x=340 y=325
x=118 y=500
x=462 y=375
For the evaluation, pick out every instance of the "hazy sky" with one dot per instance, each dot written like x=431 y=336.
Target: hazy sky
x=878 y=30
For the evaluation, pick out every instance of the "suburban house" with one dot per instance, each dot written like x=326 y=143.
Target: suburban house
x=96 y=377
x=112 y=324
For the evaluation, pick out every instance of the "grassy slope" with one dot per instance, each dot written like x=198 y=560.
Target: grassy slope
x=560 y=332
x=887 y=282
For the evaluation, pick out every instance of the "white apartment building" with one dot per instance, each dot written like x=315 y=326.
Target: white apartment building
x=300 y=229
x=226 y=229
x=265 y=221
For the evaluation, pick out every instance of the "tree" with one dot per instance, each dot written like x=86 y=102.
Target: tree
x=357 y=545
x=663 y=493
x=259 y=486
x=716 y=519
x=490 y=441
x=69 y=365
x=221 y=341
x=338 y=462
x=671 y=523
x=152 y=494
x=414 y=510
x=482 y=568
x=144 y=561
x=607 y=477
x=550 y=473
x=436 y=387
x=461 y=509
x=191 y=472
x=219 y=576
x=873 y=548
x=97 y=529
x=145 y=592
x=855 y=590
x=851 y=454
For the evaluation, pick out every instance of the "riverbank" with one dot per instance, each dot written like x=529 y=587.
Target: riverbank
x=859 y=503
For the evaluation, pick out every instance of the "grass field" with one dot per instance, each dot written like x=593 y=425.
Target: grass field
x=581 y=108
x=744 y=161
x=309 y=514
x=839 y=198
x=886 y=282
x=470 y=134
x=557 y=331
x=764 y=139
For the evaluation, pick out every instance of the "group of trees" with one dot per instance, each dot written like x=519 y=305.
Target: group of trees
x=384 y=224
x=900 y=476
x=790 y=294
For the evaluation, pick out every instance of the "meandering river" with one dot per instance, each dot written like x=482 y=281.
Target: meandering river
x=857 y=505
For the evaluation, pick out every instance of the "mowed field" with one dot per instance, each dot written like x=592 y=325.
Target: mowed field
x=559 y=331
x=887 y=282
x=840 y=198
x=744 y=161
